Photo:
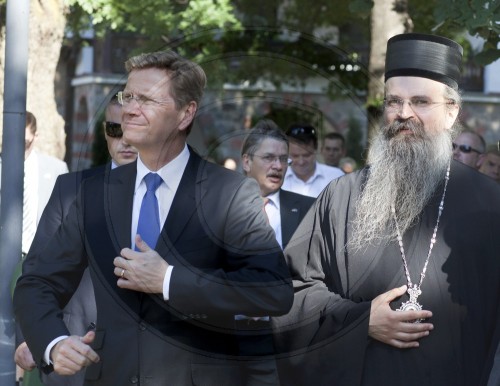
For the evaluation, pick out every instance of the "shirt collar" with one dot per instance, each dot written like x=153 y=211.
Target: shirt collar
x=171 y=173
x=275 y=198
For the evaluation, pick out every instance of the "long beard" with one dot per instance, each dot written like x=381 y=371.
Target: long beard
x=405 y=171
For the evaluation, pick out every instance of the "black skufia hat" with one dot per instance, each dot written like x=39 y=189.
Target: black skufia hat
x=427 y=56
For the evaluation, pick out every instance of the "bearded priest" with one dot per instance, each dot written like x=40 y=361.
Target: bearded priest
x=396 y=268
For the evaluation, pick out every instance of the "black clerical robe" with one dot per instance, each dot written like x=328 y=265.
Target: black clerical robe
x=324 y=339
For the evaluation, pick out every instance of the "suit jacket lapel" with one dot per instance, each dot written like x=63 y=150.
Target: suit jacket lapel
x=290 y=214
x=184 y=206
x=119 y=185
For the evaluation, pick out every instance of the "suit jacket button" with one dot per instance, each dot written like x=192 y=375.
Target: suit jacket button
x=142 y=327
x=134 y=380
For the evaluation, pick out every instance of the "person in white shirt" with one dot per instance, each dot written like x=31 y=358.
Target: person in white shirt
x=306 y=176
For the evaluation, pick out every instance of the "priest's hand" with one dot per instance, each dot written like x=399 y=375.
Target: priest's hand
x=142 y=270
x=23 y=357
x=73 y=353
x=394 y=327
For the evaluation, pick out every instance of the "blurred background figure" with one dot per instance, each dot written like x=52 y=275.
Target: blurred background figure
x=468 y=148
x=333 y=149
x=120 y=152
x=490 y=164
x=306 y=176
x=40 y=173
x=348 y=165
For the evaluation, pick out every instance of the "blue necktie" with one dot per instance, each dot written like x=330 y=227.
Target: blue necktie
x=149 y=218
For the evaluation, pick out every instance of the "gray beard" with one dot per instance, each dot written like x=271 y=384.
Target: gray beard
x=405 y=171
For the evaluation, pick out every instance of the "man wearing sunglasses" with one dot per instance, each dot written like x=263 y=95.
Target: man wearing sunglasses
x=120 y=151
x=468 y=148
x=396 y=268
x=80 y=312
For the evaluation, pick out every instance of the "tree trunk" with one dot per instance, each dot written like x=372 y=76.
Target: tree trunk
x=388 y=18
x=47 y=21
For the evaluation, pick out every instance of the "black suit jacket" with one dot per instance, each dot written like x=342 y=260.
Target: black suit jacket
x=226 y=262
x=81 y=309
x=293 y=208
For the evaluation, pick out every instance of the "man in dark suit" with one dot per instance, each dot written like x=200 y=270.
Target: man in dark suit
x=164 y=315
x=80 y=312
x=264 y=156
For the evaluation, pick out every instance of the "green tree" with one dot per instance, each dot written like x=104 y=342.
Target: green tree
x=54 y=21
x=241 y=40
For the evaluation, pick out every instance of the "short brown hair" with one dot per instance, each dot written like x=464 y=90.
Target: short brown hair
x=31 y=122
x=187 y=78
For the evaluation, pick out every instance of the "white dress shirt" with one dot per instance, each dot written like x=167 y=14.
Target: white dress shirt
x=323 y=175
x=272 y=209
x=30 y=200
x=171 y=175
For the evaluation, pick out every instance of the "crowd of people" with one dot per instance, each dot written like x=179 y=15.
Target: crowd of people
x=163 y=268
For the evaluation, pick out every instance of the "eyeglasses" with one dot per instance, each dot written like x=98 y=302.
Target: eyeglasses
x=271 y=158
x=301 y=131
x=417 y=104
x=465 y=148
x=113 y=130
x=125 y=98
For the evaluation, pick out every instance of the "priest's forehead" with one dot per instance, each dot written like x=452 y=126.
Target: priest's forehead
x=413 y=86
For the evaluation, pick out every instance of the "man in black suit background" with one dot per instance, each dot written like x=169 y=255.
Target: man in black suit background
x=80 y=312
x=165 y=311
x=264 y=156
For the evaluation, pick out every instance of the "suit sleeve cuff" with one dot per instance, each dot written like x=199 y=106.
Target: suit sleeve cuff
x=46 y=354
x=166 y=283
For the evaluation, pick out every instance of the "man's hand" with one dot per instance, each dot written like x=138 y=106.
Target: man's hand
x=23 y=357
x=142 y=270
x=393 y=327
x=72 y=354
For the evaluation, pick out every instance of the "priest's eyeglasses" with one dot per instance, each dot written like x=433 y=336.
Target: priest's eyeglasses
x=269 y=159
x=417 y=104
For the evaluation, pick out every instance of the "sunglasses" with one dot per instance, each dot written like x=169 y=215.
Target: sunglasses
x=465 y=148
x=113 y=130
x=301 y=131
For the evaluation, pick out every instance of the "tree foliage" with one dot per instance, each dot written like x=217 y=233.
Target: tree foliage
x=478 y=17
